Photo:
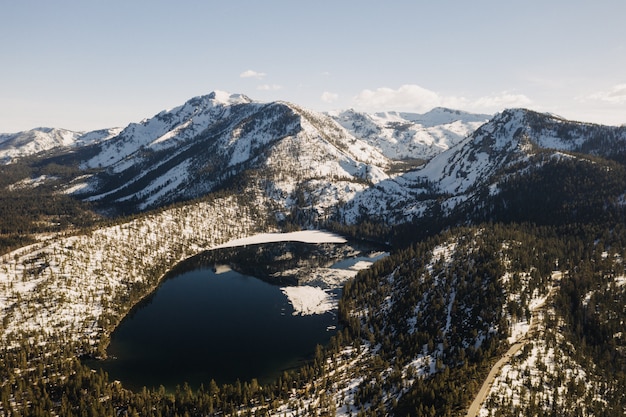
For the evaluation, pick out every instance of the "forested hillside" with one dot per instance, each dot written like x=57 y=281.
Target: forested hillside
x=30 y=203
x=448 y=308
x=506 y=245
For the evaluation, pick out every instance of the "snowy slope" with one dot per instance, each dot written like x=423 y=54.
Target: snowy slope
x=512 y=137
x=477 y=158
x=190 y=150
x=85 y=275
x=509 y=141
x=411 y=135
x=166 y=129
x=16 y=145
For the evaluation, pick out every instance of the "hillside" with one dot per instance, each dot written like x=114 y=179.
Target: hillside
x=506 y=235
x=446 y=309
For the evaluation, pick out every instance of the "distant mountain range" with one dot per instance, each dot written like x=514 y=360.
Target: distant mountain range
x=190 y=150
x=348 y=165
x=398 y=135
x=345 y=165
x=410 y=135
x=30 y=142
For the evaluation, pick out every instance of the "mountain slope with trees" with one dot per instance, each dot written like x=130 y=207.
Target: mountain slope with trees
x=523 y=218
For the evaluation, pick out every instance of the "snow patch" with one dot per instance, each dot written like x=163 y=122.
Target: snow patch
x=221 y=269
x=31 y=182
x=304 y=236
x=309 y=300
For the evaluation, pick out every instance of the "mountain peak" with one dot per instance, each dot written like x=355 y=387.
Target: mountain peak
x=215 y=98
x=225 y=98
x=519 y=113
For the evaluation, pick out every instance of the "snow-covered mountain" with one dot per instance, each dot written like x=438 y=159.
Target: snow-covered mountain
x=422 y=327
x=167 y=129
x=190 y=150
x=340 y=166
x=513 y=141
x=512 y=137
x=196 y=148
x=16 y=145
x=410 y=135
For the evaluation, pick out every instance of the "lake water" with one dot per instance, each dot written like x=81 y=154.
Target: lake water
x=210 y=322
x=202 y=325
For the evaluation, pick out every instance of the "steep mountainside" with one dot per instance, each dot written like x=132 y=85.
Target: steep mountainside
x=513 y=137
x=514 y=143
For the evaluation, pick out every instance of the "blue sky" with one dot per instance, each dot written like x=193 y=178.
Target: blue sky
x=85 y=65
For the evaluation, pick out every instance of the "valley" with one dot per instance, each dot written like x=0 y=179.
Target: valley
x=470 y=236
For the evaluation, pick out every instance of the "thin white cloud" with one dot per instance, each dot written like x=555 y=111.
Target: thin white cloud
x=328 y=97
x=252 y=74
x=407 y=97
x=269 y=87
x=615 y=95
x=500 y=101
x=411 y=97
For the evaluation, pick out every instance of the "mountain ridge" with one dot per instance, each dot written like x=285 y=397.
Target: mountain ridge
x=41 y=139
x=527 y=210
x=402 y=135
x=346 y=163
x=516 y=141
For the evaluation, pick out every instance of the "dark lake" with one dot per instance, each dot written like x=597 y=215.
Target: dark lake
x=206 y=322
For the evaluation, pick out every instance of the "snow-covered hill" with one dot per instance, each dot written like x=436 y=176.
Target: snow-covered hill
x=86 y=275
x=17 y=145
x=410 y=135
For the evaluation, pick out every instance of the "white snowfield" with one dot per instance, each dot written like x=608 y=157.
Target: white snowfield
x=309 y=300
x=304 y=236
x=316 y=295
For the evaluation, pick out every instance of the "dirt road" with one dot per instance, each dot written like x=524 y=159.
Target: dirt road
x=495 y=370
x=515 y=347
